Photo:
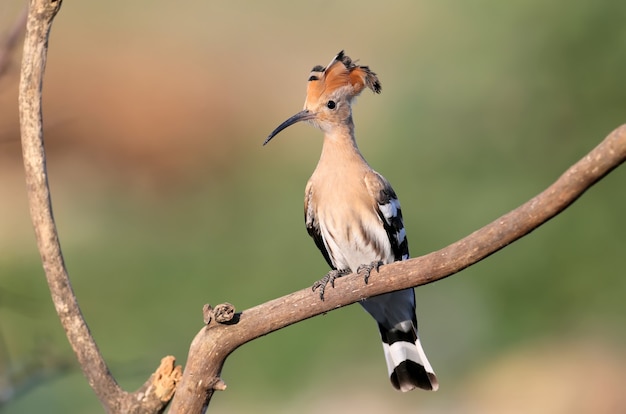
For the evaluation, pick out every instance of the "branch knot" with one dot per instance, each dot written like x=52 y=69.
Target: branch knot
x=223 y=313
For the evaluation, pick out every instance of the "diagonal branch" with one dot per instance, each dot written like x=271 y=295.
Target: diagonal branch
x=216 y=341
x=154 y=395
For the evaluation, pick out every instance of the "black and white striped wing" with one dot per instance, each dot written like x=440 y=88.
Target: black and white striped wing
x=390 y=213
x=313 y=226
x=395 y=312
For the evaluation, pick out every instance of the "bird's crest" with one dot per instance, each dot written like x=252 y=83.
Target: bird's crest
x=341 y=73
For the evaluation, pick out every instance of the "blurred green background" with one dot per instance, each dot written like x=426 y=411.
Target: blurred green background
x=165 y=199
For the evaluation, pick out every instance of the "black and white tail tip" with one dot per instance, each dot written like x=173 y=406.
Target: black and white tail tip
x=406 y=361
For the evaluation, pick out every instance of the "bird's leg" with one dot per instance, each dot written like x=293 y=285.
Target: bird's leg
x=329 y=278
x=367 y=269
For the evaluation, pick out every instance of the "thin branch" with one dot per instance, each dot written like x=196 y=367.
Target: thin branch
x=154 y=395
x=216 y=341
x=40 y=17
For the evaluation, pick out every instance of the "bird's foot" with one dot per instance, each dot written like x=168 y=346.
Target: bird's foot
x=329 y=278
x=366 y=269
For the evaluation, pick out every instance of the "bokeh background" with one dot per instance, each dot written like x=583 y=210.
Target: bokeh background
x=155 y=112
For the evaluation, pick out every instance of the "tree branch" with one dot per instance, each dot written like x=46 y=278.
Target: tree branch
x=154 y=395
x=216 y=341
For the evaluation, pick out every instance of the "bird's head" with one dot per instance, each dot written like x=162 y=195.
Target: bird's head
x=330 y=92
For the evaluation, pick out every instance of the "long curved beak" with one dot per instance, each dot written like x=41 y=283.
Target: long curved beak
x=304 y=115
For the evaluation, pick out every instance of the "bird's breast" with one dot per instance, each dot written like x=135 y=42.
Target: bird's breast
x=349 y=224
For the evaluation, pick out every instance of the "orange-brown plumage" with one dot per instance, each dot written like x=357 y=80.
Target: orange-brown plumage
x=341 y=76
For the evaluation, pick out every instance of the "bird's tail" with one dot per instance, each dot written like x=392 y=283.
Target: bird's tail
x=406 y=361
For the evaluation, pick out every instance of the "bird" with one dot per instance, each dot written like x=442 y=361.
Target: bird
x=354 y=216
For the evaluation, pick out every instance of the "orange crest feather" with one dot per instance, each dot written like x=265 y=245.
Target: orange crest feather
x=340 y=73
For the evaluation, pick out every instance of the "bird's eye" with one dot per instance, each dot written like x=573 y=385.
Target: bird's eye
x=331 y=104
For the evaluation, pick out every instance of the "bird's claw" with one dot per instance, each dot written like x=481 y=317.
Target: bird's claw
x=366 y=269
x=329 y=278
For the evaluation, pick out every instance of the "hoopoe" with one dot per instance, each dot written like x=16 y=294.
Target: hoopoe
x=354 y=215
